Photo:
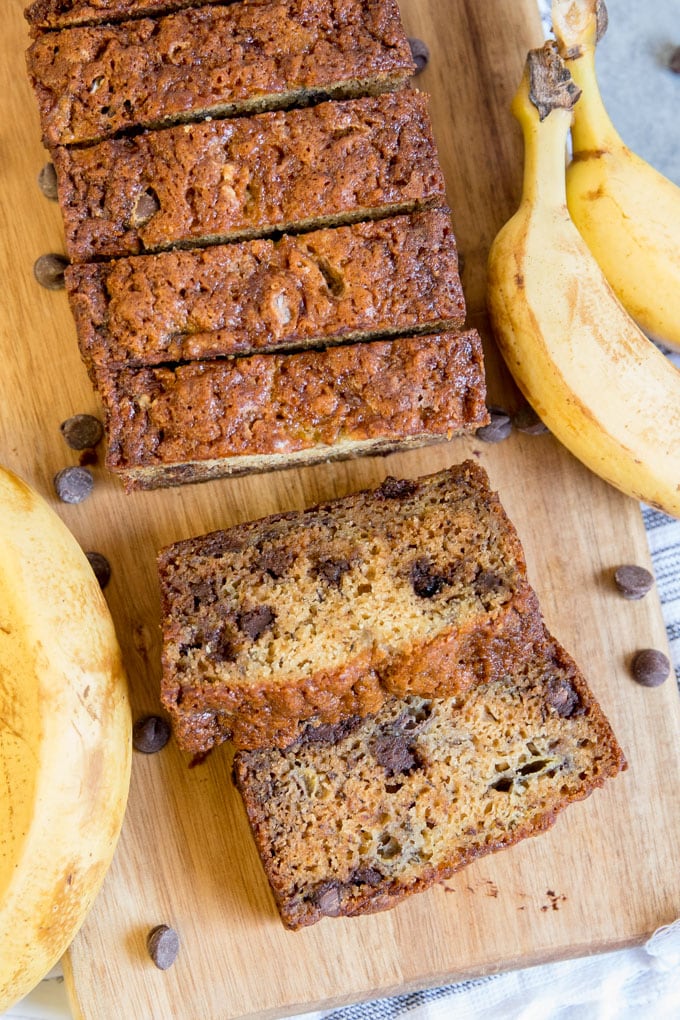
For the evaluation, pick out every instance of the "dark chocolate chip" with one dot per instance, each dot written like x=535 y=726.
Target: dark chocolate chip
x=49 y=270
x=101 y=567
x=498 y=429
x=163 y=945
x=393 y=753
x=426 y=583
x=650 y=667
x=396 y=488
x=73 y=484
x=674 y=60
x=329 y=733
x=331 y=571
x=486 y=582
x=147 y=205
x=526 y=420
x=47 y=182
x=82 y=431
x=275 y=561
x=150 y=734
x=633 y=582
x=366 y=876
x=255 y=622
x=327 y=899
x=564 y=698
x=420 y=53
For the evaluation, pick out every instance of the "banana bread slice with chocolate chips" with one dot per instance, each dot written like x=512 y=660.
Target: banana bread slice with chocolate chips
x=43 y=15
x=416 y=586
x=213 y=60
x=355 y=817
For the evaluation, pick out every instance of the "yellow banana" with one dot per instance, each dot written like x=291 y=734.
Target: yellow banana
x=627 y=212
x=65 y=738
x=599 y=384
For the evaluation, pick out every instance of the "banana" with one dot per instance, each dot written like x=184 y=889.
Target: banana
x=65 y=738
x=627 y=212
x=598 y=383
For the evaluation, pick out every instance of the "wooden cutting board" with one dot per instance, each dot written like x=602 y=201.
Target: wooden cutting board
x=604 y=877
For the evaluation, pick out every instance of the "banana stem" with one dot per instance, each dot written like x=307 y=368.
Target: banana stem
x=543 y=107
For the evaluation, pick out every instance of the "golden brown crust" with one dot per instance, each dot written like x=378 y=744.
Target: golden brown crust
x=367 y=280
x=353 y=819
x=272 y=406
x=249 y=176
x=419 y=586
x=49 y=14
x=213 y=60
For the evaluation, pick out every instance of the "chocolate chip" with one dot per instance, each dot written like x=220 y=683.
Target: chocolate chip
x=564 y=698
x=674 y=60
x=486 y=581
x=526 y=420
x=366 y=876
x=147 y=205
x=420 y=54
x=82 y=431
x=396 y=488
x=426 y=583
x=163 y=945
x=329 y=733
x=331 y=571
x=49 y=271
x=498 y=429
x=47 y=182
x=327 y=899
x=255 y=622
x=275 y=561
x=650 y=667
x=73 y=484
x=393 y=753
x=101 y=568
x=150 y=734
x=633 y=582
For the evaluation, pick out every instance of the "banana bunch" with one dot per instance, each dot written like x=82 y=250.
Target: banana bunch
x=65 y=738
x=627 y=212
x=599 y=384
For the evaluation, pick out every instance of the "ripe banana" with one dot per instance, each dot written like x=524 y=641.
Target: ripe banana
x=627 y=212
x=599 y=384
x=65 y=738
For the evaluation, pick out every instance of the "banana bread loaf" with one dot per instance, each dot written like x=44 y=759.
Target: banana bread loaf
x=418 y=586
x=371 y=279
x=353 y=818
x=94 y=82
x=202 y=420
x=43 y=15
x=226 y=180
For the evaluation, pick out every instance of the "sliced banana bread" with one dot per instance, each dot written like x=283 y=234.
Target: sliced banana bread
x=225 y=180
x=355 y=817
x=92 y=83
x=202 y=420
x=43 y=15
x=371 y=279
x=418 y=586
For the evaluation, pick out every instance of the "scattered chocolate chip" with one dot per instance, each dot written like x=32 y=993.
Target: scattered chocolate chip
x=498 y=429
x=650 y=667
x=393 y=753
x=163 y=945
x=331 y=571
x=327 y=899
x=633 y=582
x=329 y=733
x=147 y=205
x=82 y=431
x=486 y=581
x=275 y=561
x=150 y=734
x=564 y=698
x=49 y=271
x=420 y=54
x=396 y=488
x=101 y=568
x=255 y=622
x=674 y=60
x=366 y=876
x=73 y=484
x=526 y=420
x=426 y=583
x=47 y=181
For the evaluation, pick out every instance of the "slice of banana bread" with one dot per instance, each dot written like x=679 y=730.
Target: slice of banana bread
x=371 y=279
x=93 y=83
x=226 y=180
x=203 y=420
x=418 y=586
x=355 y=817
x=43 y=15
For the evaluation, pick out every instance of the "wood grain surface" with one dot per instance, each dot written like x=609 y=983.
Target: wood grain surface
x=604 y=876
